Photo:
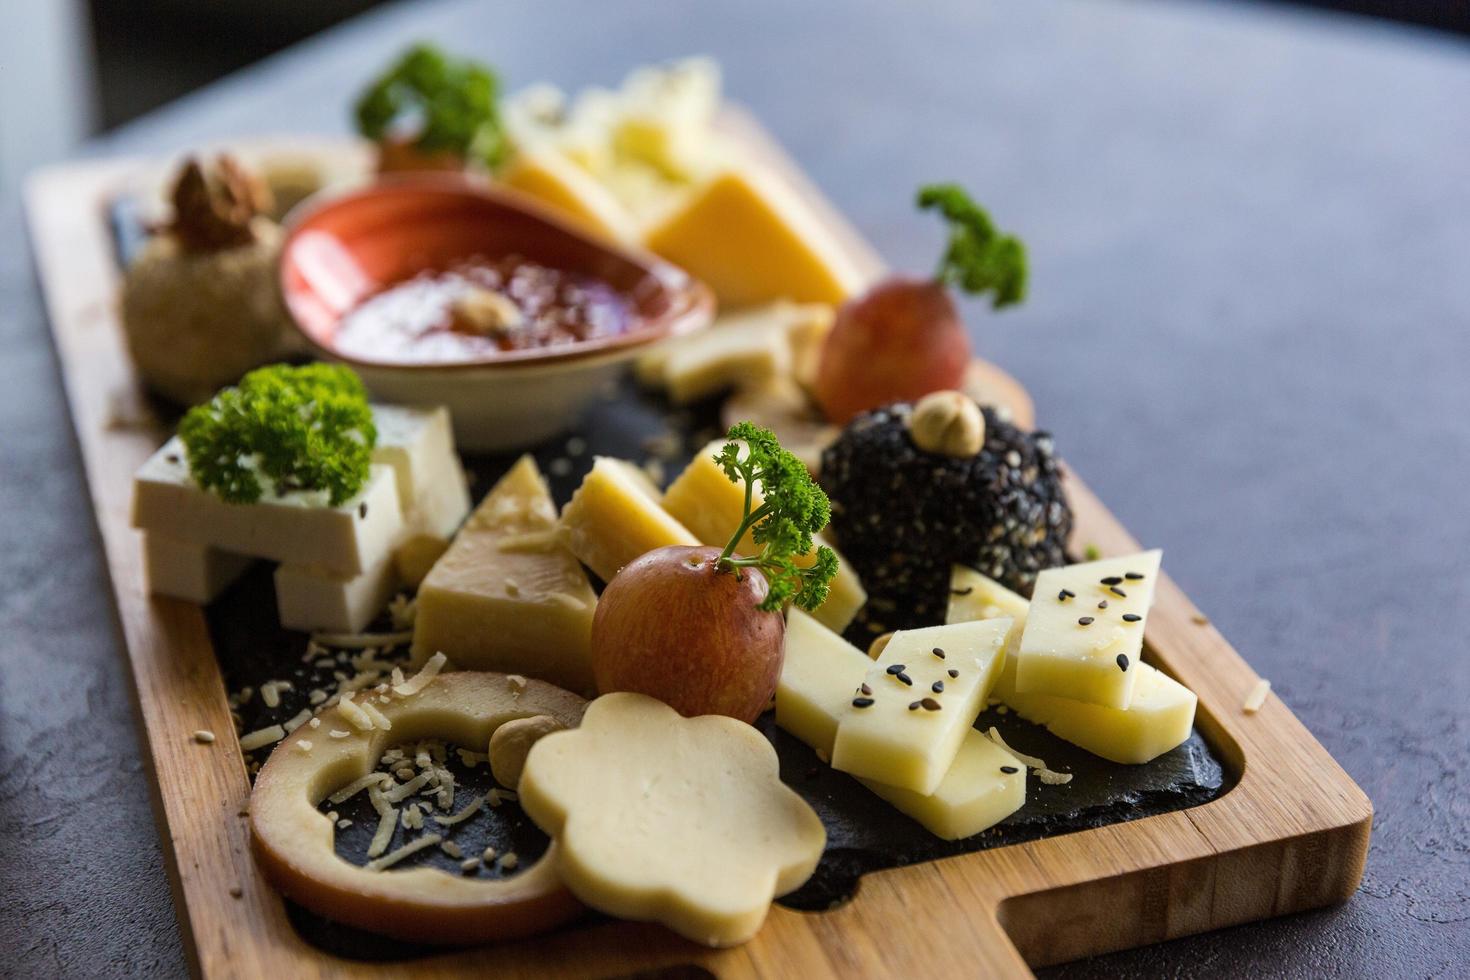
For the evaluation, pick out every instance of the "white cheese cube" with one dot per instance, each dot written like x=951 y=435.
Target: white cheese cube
x=295 y=528
x=819 y=679
x=188 y=571
x=924 y=692
x=983 y=786
x=315 y=599
x=1084 y=630
x=419 y=444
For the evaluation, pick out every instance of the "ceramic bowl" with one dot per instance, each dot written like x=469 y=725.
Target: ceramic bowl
x=341 y=250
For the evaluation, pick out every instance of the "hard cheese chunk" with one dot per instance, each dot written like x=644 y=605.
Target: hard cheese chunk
x=615 y=516
x=753 y=240
x=192 y=572
x=548 y=175
x=419 y=444
x=984 y=785
x=508 y=595
x=705 y=501
x=1084 y=631
x=927 y=687
x=819 y=678
x=1159 y=717
x=296 y=528
x=740 y=349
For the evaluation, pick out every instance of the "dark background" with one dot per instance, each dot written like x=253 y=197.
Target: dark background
x=1249 y=330
x=141 y=64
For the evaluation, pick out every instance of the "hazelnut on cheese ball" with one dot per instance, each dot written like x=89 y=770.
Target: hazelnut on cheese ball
x=918 y=488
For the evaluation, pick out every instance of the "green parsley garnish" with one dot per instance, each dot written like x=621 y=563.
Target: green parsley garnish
x=449 y=103
x=290 y=428
x=792 y=509
x=979 y=259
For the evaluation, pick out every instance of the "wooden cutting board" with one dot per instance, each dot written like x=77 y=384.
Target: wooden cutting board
x=1290 y=834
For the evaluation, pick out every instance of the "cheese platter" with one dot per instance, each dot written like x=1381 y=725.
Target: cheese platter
x=337 y=631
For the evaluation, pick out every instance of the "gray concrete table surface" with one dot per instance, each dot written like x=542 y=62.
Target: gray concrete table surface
x=1250 y=232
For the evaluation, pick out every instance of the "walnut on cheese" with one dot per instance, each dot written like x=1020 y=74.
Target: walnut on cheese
x=293 y=841
x=682 y=821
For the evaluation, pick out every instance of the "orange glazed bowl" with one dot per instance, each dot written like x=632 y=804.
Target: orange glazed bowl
x=343 y=251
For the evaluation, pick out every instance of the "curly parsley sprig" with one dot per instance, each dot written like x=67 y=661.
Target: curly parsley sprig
x=792 y=509
x=293 y=428
x=452 y=103
x=979 y=259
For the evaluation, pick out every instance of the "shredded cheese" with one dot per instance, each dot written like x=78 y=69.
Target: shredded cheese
x=421 y=680
x=450 y=848
x=379 y=719
x=261 y=737
x=361 y=641
x=354 y=714
x=1030 y=761
x=297 y=720
x=357 y=785
x=387 y=820
x=411 y=848
x=469 y=811
x=1256 y=699
x=407 y=789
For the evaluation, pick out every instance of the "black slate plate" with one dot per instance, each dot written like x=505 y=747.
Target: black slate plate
x=864 y=832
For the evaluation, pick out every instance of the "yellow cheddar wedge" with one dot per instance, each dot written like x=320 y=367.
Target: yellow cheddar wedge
x=549 y=176
x=615 y=516
x=1159 y=717
x=508 y=595
x=753 y=240
x=819 y=679
x=1084 y=632
x=704 y=500
x=984 y=785
x=925 y=690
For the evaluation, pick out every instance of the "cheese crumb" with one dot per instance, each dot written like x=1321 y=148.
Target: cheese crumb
x=489 y=855
x=261 y=737
x=1256 y=699
x=412 y=847
x=270 y=692
x=204 y=736
x=510 y=860
x=450 y=848
x=1030 y=761
x=469 y=864
x=363 y=641
x=380 y=720
x=344 y=823
x=1051 y=778
x=463 y=815
x=422 y=679
x=358 y=718
x=303 y=745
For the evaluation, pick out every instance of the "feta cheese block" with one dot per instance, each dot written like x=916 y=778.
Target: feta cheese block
x=1159 y=718
x=548 y=175
x=297 y=528
x=1084 y=630
x=615 y=516
x=752 y=239
x=309 y=598
x=508 y=595
x=704 y=500
x=188 y=571
x=923 y=692
x=984 y=785
x=419 y=444
x=819 y=678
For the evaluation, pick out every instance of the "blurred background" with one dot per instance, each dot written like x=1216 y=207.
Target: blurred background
x=73 y=68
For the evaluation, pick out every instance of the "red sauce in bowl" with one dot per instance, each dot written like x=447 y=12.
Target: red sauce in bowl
x=479 y=307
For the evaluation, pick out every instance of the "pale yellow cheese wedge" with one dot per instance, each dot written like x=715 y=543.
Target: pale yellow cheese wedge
x=984 y=785
x=1160 y=716
x=742 y=358
x=713 y=361
x=548 y=175
x=819 y=679
x=753 y=240
x=508 y=595
x=896 y=739
x=704 y=500
x=615 y=516
x=666 y=116
x=677 y=820
x=1077 y=643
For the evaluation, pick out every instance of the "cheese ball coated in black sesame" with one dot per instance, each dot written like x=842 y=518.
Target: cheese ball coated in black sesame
x=903 y=517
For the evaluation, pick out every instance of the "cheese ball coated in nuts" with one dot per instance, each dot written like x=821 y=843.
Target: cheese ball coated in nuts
x=510 y=743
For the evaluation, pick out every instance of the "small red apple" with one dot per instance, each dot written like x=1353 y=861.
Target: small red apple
x=675 y=626
x=897 y=342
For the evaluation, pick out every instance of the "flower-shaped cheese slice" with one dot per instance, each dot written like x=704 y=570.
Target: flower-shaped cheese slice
x=293 y=840
x=682 y=821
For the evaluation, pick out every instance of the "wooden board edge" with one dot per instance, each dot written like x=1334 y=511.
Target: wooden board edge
x=997 y=883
